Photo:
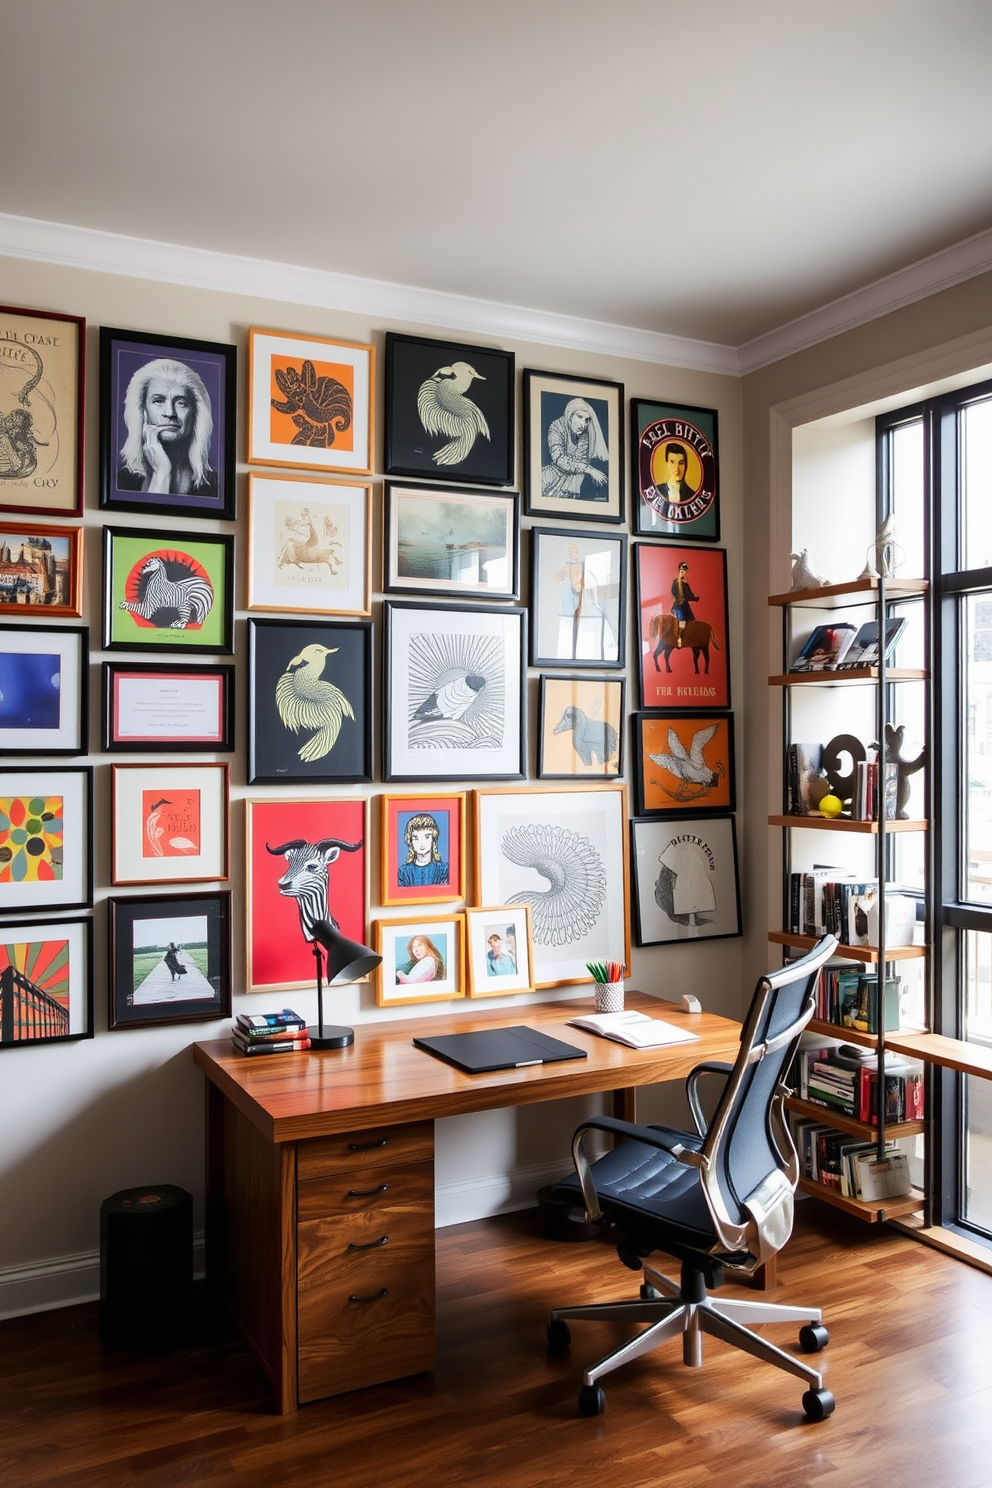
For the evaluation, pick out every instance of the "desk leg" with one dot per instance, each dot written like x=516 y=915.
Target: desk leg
x=625 y=1105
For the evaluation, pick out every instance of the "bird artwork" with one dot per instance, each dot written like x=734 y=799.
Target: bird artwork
x=306 y=701
x=453 y=700
x=445 y=410
x=695 y=777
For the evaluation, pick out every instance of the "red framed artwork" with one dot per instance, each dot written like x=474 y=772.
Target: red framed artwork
x=423 y=849
x=684 y=647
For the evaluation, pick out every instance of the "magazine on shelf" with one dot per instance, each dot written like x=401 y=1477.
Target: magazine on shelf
x=825 y=649
x=864 y=648
x=634 y=1029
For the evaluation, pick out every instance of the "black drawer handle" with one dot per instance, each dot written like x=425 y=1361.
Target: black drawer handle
x=374 y=1297
x=366 y=1193
x=367 y=1146
x=369 y=1245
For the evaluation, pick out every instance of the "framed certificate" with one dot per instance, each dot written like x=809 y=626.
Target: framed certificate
x=151 y=708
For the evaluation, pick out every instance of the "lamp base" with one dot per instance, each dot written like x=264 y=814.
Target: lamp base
x=331 y=1036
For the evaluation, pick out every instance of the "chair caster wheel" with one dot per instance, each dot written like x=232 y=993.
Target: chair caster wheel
x=592 y=1401
x=818 y=1404
x=648 y=1292
x=813 y=1337
x=559 y=1336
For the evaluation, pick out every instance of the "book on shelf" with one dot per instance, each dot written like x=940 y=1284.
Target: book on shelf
x=845 y=1078
x=885 y=1179
x=863 y=651
x=803 y=768
x=826 y=648
x=636 y=1030
x=864 y=801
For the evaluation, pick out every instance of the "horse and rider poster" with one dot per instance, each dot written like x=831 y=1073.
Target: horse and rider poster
x=449 y=410
x=682 y=626
x=311 y=402
x=308 y=546
x=167 y=591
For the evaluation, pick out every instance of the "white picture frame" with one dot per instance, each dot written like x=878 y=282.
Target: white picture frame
x=308 y=546
x=180 y=809
x=293 y=381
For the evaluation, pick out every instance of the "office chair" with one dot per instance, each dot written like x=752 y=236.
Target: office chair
x=719 y=1200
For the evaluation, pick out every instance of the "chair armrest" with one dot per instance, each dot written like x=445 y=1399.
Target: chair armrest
x=708 y=1067
x=650 y=1136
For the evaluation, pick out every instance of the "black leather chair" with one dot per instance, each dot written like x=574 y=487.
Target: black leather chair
x=719 y=1199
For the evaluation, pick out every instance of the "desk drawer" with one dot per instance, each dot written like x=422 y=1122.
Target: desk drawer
x=384 y=1190
x=322 y=1157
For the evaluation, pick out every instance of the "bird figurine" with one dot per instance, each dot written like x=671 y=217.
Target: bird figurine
x=688 y=766
x=453 y=700
x=803 y=576
x=444 y=409
x=306 y=701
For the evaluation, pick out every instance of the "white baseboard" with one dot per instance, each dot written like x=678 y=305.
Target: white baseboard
x=500 y=1193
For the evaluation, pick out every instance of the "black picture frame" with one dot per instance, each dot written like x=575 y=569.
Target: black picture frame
x=130 y=623
x=199 y=968
x=692 y=514
x=144 y=711
x=127 y=359
x=694 y=772
x=709 y=845
x=555 y=483
x=578 y=603
x=430 y=529
x=275 y=747
x=414 y=436
x=46 y=982
x=44 y=689
x=46 y=818
x=581 y=731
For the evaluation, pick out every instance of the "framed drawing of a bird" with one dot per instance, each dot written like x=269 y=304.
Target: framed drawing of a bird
x=449 y=410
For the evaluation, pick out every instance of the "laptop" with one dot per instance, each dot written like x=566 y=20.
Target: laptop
x=498 y=1048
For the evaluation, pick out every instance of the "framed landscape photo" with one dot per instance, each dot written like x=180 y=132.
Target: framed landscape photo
x=449 y=410
x=46 y=983
x=41 y=570
x=43 y=689
x=452 y=542
x=169 y=823
x=311 y=402
x=423 y=960
x=170 y=959
x=454 y=698
x=308 y=546
x=581 y=728
x=153 y=707
x=573 y=447
x=499 y=952
x=686 y=885
x=46 y=838
x=167 y=591
x=309 y=701
x=683 y=762
x=167 y=424
x=41 y=403
x=423 y=848
x=578 y=598
x=683 y=636
x=674 y=474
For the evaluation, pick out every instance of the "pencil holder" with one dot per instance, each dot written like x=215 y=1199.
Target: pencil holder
x=609 y=997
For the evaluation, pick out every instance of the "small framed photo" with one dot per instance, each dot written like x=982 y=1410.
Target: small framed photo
x=41 y=393
x=674 y=477
x=422 y=959
x=151 y=707
x=500 y=954
x=167 y=424
x=46 y=838
x=581 y=728
x=573 y=447
x=309 y=701
x=423 y=848
x=41 y=570
x=167 y=591
x=46 y=983
x=454 y=699
x=683 y=762
x=308 y=546
x=578 y=598
x=449 y=410
x=451 y=542
x=685 y=880
x=170 y=959
x=311 y=402
x=169 y=824
x=43 y=689
x=683 y=636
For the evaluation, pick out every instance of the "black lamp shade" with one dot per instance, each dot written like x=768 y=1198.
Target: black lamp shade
x=345 y=961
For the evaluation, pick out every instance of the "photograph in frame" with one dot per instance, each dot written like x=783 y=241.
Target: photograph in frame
x=451 y=542
x=581 y=728
x=167 y=424
x=683 y=636
x=578 y=598
x=674 y=471
x=499 y=951
x=41 y=405
x=422 y=959
x=46 y=838
x=46 y=982
x=683 y=762
x=170 y=823
x=423 y=848
x=41 y=570
x=686 y=885
x=170 y=959
x=311 y=402
x=168 y=591
x=152 y=707
x=449 y=410
x=43 y=689
x=573 y=447
x=308 y=545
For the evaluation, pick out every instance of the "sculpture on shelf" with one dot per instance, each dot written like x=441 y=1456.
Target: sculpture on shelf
x=905 y=768
x=803 y=576
x=842 y=782
x=884 y=554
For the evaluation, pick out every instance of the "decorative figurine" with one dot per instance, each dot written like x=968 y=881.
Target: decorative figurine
x=803 y=576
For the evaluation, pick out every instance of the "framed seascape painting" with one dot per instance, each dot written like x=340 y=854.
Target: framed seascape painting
x=169 y=823
x=308 y=546
x=167 y=424
x=311 y=402
x=46 y=838
x=167 y=591
x=151 y=708
x=41 y=411
x=454 y=698
x=578 y=598
x=573 y=447
x=499 y=951
x=581 y=728
x=423 y=848
x=422 y=959
x=682 y=630
x=563 y=853
x=309 y=701
x=685 y=880
x=674 y=475
x=451 y=542
x=449 y=410
x=43 y=689
x=683 y=762
x=46 y=983
x=41 y=570
x=170 y=959
x=307 y=859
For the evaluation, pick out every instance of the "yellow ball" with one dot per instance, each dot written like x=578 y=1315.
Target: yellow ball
x=831 y=806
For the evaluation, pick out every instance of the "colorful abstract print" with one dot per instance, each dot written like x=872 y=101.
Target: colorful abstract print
x=31 y=839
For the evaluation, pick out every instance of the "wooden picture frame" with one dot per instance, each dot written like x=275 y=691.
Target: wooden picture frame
x=683 y=762
x=675 y=488
x=168 y=591
x=46 y=983
x=580 y=734
x=309 y=549
x=170 y=959
x=44 y=692
x=423 y=959
x=311 y=402
x=46 y=838
x=696 y=673
x=499 y=950
x=451 y=542
x=573 y=447
x=703 y=853
x=578 y=598
x=42 y=384
x=151 y=708
x=41 y=571
x=423 y=848
x=449 y=410
x=169 y=823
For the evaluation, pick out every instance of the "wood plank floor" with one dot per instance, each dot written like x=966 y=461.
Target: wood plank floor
x=910 y=1362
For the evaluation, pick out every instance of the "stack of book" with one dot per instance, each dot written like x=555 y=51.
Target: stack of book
x=845 y=1079
x=849 y=1164
x=270 y=1033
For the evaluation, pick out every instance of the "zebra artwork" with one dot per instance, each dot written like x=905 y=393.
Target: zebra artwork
x=305 y=878
x=170 y=592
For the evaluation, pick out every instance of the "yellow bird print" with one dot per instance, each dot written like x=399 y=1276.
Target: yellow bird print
x=306 y=701
x=445 y=410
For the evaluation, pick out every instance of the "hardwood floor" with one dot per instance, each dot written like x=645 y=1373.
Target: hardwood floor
x=910 y=1362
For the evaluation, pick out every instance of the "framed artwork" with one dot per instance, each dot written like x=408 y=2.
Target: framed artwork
x=46 y=838
x=562 y=853
x=46 y=983
x=167 y=424
x=169 y=823
x=151 y=707
x=578 y=598
x=167 y=591
x=449 y=410
x=422 y=959
x=41 y=408
x=311 y=402
x=423 y=848
x=674 y=475
x=455 y=707
x=682 y=631
x=581 y=728
x=451 y=542
x=683 y=762
x=170 y=959
x=309 y=701
x=43 y=691
x=306 y=857
x=573 y=447
x=499 y=951
x=685 y=880
x=41 y=570
x=308 y=546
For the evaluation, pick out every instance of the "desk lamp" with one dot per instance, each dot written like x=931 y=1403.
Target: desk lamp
x=343 y=960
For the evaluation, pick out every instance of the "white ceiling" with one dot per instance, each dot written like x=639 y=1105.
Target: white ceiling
x=711 y=169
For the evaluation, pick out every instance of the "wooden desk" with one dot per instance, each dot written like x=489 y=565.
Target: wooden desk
x=313 y=1158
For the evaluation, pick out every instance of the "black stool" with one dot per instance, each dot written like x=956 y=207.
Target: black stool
x=146 y=1267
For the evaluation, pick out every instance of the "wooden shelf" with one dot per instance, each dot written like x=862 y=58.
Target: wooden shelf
x=934 y=1048
x=858 y=591
x=845 y=824
x=866 y=954
x=854 y=1128
x=874 y=1211
x=855 y=1036
x=830 y=678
